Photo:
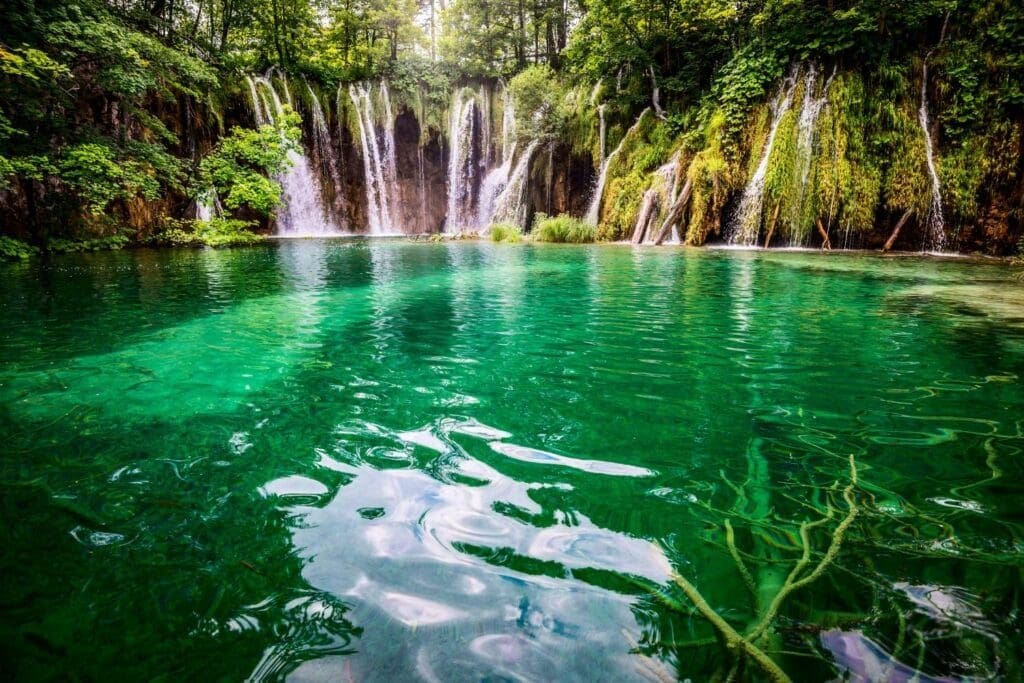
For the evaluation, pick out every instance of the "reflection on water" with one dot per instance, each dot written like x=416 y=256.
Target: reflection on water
x=357 y=460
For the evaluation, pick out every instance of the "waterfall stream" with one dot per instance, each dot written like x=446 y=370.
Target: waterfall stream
x=934 y=223
x=747 y=224
x=593 y=214
x=460 y=163
x=511 y=205
x=810 y=109
x=302 y=212
x=378 y=158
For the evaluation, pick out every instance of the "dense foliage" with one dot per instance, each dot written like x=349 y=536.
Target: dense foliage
x=115 y=115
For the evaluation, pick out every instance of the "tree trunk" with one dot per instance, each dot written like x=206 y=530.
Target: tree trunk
x=896 y=231
x=676 y=213
x=826 y=243
x=771 y=225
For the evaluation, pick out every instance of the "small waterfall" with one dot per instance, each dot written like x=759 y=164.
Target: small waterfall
x=493 y=185
x=511 y=206
x=508 y=126
x=302 y=213
x=390 y=170
x=602 y=134
x=460 y=167
x=323 y=150
x=487 y=151
x=208 y=205
x=657 y=199
x=593 y=214
x=375 y=161
x=806 y=127
x=934 y=223
x=747 y=223
x=422 y=175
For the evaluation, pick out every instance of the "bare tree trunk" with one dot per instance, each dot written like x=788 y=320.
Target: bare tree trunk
x=896 y=231
x=826 y=243
x=676 y=213
x=771 y=225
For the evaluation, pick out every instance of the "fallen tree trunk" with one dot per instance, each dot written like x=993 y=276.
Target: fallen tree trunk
x=648 y=209
x=771 y=225
x=675 y=213
x=896 y=231
x=826 y=243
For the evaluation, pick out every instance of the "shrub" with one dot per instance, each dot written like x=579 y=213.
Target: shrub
x=562 y=229
x=216 y=232
x=15 y=250
x=106 y=243
x=506 y=232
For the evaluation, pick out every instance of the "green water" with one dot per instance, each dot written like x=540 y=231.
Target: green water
x=350 y=460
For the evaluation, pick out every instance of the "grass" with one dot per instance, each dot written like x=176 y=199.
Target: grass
x=562 y=229
x=506 y=232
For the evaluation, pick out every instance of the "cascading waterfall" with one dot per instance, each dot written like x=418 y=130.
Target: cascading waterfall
x=511 y=206
x=508 y=126
x=376 y=161
x=593 y=214
x=323 y=150
x=494 y=183
x=747 y=223
x=602 y=134
x=208 y=206
x=460 y=163
x=422 y=176
x=303 y=212
x=659 y=197
x=390 y=169
x=934 y=221
x=806 y=128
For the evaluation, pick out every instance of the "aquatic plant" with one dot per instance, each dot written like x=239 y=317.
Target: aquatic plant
x=13 y=250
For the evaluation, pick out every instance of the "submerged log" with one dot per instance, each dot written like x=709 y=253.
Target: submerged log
x=771 y=225
x=675 y=213
x=826 y=243
x=896 y=231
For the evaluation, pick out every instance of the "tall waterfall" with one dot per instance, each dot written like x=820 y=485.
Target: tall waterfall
x=508 y=126
x=593 y=214
x=303 y=211
x=323 y=150
x=460 y=162
x=934 y=223
x=747 y=223
x=511 y=206
x=602 y=134
x=378 y=150
x=810 y=108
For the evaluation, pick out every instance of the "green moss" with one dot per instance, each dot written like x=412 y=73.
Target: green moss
x=711 y=175
x=216 y=232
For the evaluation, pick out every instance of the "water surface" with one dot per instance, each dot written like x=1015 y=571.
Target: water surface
x=358 y=460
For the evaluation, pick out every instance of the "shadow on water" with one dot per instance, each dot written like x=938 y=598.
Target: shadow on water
x=380 y=460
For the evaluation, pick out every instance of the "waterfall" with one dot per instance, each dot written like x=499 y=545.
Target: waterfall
x=658 y=198
x=460 y=166
x=208 y=205
x=511 y=205
x=493 y=185
x=934 y=222
x=423 y=225
x=323 y=150
x=302 y=213
x=602 y=134
x=378 y=162
x=810 y=108
x=747 y=223
x=486 y=142
x=593 y=214
x=508 y=126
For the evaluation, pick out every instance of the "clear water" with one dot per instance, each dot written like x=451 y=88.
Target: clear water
x=351 y=460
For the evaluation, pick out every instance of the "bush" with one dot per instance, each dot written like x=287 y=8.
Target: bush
x=506 y=232
x=216 y=232
x=562 y=229
x=107 y=243
x=15 y=250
